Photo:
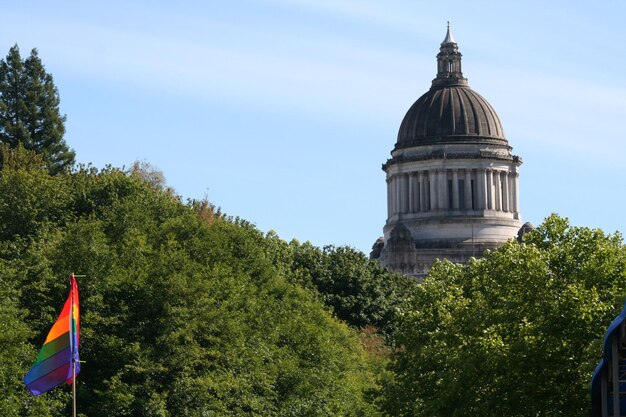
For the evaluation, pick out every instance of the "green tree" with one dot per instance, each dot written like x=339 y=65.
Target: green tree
x=32 y=201
x=29 y=110
x=183 y=314
x=358 y=289
x=516 y=333
x=16 y=354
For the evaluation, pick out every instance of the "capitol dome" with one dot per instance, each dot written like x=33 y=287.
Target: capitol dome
x=452 y=179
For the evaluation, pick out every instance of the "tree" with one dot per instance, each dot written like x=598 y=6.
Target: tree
x=517 y=333
x=29 y=110
x=180 y=316
x=15 y=354
x=358 y=289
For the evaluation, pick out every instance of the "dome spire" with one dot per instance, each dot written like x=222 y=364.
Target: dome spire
x=449 y=38
x=449 y=63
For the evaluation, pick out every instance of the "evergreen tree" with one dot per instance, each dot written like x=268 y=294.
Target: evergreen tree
x=29 y=110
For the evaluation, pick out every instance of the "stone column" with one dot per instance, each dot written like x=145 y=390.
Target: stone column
x=490 y=201
x=396 y=193
x=409 y=205
x=389 y=206
x=442 y=183
x=432 y=179
x=511 y=192
x=515 y=193
x=468 y=190
x=455 y=189
x=498 y=191
x=392 y=195
x=481 y=189
x=399 y=193
x=506 y=198
x=416 y=193
x=415 y=197
x=405 y=193
x=422 y=195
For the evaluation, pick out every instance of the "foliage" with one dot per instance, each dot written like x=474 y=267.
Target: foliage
x=516 y=333
x=358 y=289
x=29 y=110
x=149 y=174
x=180 y=316
x=15 y=355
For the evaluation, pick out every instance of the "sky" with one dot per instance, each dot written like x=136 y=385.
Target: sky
x=282 y=112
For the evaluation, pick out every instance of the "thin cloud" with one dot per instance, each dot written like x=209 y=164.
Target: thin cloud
x=335 y=75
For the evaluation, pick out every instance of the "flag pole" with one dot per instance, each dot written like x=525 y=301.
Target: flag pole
x=74 y=385
x=72 y=354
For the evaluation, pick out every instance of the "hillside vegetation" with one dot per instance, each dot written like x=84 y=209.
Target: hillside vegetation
x=185 y=312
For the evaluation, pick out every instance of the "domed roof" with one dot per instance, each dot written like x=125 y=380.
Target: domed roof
x=450 y=112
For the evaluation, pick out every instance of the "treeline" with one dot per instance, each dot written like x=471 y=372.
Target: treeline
x=185 y=312
x=517 y=333
x=188 y=312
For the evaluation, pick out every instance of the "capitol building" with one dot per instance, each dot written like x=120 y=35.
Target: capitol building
x=452 y=179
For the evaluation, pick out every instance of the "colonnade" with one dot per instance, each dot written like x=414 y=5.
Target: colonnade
x=453 y=189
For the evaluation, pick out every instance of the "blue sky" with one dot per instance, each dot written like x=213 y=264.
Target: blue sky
x=282 y=112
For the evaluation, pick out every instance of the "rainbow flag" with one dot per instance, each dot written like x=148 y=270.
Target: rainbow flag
x=59 y=355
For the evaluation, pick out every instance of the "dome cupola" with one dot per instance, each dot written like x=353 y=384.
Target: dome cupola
x=449 y=63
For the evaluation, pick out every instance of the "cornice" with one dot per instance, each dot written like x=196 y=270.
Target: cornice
x=442 y=155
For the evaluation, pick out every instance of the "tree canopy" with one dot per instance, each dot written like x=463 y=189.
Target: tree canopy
x=29 y=110
x=516 y=333
x=189 y=312
x=185 y=312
